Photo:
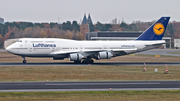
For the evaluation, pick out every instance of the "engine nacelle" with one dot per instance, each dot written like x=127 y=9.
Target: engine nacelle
x=75 y=57
x=104 y=55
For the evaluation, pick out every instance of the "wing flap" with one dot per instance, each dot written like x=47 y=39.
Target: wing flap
x=130 y=49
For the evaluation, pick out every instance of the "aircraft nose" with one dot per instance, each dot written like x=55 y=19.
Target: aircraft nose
x=8 y=49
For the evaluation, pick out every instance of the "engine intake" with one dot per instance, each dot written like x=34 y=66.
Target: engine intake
x=75 y=57
x=104 y=55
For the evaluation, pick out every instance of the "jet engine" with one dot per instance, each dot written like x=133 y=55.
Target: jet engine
x=104 y=55
x=75 y=57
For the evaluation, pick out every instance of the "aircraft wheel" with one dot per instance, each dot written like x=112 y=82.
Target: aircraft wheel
x=88 y=61
x=91 y=61
x=83 y=62
x=77 y=62
x=24 y=61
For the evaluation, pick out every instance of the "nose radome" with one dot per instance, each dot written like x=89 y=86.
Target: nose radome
x=8 y=48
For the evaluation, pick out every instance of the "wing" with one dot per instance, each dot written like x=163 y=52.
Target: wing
x=89 y=52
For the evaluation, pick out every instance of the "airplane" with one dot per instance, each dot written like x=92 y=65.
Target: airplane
x=86 y=51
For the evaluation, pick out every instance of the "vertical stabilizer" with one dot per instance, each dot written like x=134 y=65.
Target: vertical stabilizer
x=156 y=31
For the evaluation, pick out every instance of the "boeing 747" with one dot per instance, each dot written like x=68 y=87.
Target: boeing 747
x=86 y=51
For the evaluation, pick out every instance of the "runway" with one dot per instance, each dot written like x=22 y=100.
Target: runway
x=89 y=86
x=95 y=64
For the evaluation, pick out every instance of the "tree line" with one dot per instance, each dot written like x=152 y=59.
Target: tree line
x=73 y=30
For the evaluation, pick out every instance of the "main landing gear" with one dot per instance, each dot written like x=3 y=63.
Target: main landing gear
x=77 y=62
x=85 y=61
x=24 y=60
x=88 y=61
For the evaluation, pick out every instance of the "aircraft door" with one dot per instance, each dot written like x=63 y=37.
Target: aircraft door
x=53 y=49
x=105 y=47
x=81 y=48
x=27 y=46
x=30 y=49
x=24 y=47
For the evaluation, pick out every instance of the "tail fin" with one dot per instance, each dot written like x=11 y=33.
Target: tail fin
x=156 y=31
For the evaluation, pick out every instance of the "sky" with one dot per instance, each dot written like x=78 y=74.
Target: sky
x=103 y=11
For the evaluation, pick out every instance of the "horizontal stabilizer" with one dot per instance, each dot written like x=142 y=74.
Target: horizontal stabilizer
x=158 y=44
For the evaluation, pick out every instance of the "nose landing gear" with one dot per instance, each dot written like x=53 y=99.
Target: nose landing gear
x=24 y=60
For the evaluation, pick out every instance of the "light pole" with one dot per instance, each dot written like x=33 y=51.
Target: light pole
x=88 y=28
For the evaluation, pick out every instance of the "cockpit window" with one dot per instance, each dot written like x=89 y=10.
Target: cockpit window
x=19 y=41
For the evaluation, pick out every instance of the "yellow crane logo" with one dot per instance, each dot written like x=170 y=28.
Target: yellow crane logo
x=158 y=29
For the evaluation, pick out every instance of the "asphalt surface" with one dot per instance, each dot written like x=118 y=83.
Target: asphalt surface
x=89 y=86
x=95 y=64
x=2 y=50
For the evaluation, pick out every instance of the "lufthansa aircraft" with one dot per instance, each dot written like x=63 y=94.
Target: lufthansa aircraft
x=86 y=51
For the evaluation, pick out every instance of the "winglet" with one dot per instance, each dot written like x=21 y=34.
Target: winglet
x=156 y=31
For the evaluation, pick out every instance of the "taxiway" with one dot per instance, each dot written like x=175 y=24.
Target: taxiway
x=95 y=64
x=89 y=86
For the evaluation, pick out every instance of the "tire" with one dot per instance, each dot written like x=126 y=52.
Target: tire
x=83 y=62
x=92 y=61
x=88 y=62
x=75 y=62
x=24 y=61
x=78 y=62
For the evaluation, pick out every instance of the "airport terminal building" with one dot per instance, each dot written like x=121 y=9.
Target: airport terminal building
x=124 y=35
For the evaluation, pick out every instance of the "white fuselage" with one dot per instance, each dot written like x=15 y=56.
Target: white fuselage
x=54 y=47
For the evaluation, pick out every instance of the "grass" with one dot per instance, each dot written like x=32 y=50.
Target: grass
x=174 y=52
x=86 y=73
x=172 y=95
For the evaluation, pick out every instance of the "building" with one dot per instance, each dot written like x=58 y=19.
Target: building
x=177 y=43
x=86 y=20
x=124 y=35
x=1 y=20
x=89 y=20
x=85 y=25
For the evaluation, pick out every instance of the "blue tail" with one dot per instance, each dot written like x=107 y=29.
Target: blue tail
x=156 y=31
